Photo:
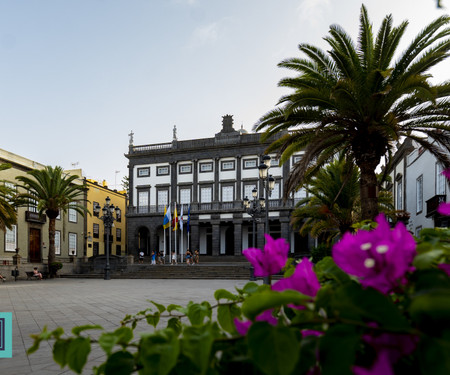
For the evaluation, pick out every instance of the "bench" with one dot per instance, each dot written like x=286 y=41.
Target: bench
x=32 y=276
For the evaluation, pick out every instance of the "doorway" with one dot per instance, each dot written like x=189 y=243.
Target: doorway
x=35 y=246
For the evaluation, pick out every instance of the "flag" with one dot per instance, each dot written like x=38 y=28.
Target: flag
x=175 y=219
x=167 y=218
x=188 y=219
x=181 y=218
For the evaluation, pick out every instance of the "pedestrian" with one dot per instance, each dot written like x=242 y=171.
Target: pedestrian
x=161 y=258
x=141 y=257
x=196 y=256
x=37 y=273
x=188 y=257
x=2 y=278
x=153 y=257
x=174 y=258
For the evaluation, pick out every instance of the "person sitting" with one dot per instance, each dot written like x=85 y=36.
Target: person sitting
x=2 y=278
x=37 y=274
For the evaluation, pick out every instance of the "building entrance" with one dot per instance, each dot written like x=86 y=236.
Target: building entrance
x=34 y=245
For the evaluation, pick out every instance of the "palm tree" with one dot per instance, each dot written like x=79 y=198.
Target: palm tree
x=8 y=215
x=333 y=204
x=54 y=191
x=353 y=98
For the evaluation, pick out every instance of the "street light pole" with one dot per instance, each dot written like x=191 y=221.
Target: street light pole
x=108 y=221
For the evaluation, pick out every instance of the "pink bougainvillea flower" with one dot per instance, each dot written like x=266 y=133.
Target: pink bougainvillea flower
x=271 y=260
x=380 y=258
x=445 y=267
x=311 y=332
x=390 y=347
x=243 y=327
x=381 y=366
x=303 y=280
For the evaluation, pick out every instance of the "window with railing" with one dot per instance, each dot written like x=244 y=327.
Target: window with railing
x=73 y=244
x=419 y=194
x=11 y=239
x=57 y=242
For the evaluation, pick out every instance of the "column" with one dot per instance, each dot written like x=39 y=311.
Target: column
x=216 y=238
x=237 y=195
x=194 y=235
x=173 y=182
x=216 y=179
x=238 y=238
x=260 y=239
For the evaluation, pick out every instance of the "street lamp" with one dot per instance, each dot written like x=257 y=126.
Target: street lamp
x=269 y=185
x=108 y=220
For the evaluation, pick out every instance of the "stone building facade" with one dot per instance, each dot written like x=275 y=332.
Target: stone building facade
x=208 y=177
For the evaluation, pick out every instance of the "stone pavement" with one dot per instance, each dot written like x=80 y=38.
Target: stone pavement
x=69 y=302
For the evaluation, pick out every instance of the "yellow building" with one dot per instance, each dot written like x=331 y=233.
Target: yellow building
x=95 y=242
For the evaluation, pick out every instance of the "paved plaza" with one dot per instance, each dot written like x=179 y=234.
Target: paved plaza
x=69 y=302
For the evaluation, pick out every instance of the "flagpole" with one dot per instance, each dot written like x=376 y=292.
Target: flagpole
x=175 y=226
x=170 y=236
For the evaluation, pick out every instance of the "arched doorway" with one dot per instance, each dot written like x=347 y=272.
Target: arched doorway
x=144 y=240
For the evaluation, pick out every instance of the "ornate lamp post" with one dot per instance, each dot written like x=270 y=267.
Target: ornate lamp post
x=108 y=221
x=269 y=184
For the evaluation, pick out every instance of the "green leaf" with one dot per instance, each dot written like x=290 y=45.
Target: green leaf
x=77 y=330
x=60 y=349
x=196 y=344
x=269 y=299
x=175 y=325
x=326 y=270
x=158 y=352
x=338 y=350
x=225 y=316
x=427 y=259
x=119 y=363
x=434 y=356
x=367 y=305
x=161 y=308
x=153 y=319
x=431 y=310
x=225 y=294
x=274 y=350
x=77 y=353
x=124 y=334
x=107 y=341
x=249 y=288
x=173 y=307
x=197 y=312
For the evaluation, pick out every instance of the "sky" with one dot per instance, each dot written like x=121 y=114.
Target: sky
x=77 y=76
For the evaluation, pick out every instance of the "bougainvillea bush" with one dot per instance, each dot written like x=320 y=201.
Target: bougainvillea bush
x=379 y=305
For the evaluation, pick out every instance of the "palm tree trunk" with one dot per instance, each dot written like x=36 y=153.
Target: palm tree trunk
x=51 y=245
x=369 y=192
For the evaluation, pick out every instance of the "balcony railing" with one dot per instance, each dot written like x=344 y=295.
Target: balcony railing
x=223 y=207
x=433 y=204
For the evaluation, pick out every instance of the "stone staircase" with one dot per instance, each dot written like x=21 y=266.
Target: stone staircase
x=209 y=270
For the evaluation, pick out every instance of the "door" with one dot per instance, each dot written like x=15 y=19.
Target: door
x=35 y=245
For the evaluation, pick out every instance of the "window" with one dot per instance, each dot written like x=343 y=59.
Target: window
x=72 y=213
x=32 y=204
x=299 y=194
x=250 y=163
x=296 y=158
x=11 y=239
x=10 y=194
x=162 y=171
x=185 y=168
x=143 y=172
x=417 y=231
x=96 y=230
x=248 y=191
x=118 y=250
x=58 y=242
x=118 y=234
x=274 y=162
x=227 y=165
x=118 y=215
x=227 y=193
x=185 y=196
x=143 y=199
x=440 y=180
x=72 y=244
x=419 y=194
x=205 y=195
x=94 y=204
x=206 y=167
x=95 y=247
x=399 y=197
x=163 y=198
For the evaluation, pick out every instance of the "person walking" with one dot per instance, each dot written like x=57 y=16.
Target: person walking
x=174 y=258
x=141 y=257
x=153 y=258
x=196 y=256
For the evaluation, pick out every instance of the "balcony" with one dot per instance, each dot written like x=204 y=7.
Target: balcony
x=433 y=203
x=204 y=208
x=34 y=217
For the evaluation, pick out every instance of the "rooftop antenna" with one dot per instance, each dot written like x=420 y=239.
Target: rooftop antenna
x=115 y=179
x=74 y=164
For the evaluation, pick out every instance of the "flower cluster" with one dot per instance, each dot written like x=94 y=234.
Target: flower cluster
x=379 y=258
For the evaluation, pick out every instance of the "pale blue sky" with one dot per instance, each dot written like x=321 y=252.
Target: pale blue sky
x=77 y=75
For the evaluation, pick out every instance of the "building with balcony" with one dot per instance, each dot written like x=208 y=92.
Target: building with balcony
x=30 y=234
x=208 y=177
x=418 y=186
